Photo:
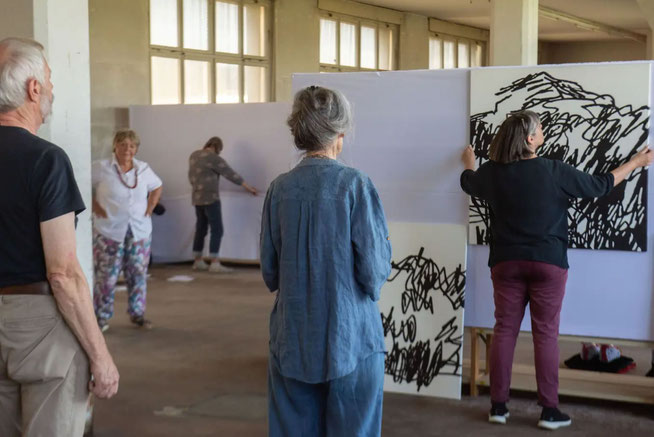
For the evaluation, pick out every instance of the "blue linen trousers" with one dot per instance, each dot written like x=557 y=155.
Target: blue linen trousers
x=350 y=406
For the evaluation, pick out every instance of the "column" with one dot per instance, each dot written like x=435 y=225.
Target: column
x=62 y=27
x=514 y=32
x=647 y=7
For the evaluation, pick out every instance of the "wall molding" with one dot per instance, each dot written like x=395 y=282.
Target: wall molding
x=348 y=7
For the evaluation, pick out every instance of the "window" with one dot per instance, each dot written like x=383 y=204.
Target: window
x=453 y=52
x=348 y=44
x=197 y=80
x=208 y=51
x=353 y=44
x=163 y=22
x=165 y=81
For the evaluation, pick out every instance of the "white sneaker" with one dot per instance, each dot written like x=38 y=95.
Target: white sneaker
x=200 y=265
x=216 y=267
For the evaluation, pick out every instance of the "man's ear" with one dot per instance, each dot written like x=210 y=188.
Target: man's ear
x=33 y=90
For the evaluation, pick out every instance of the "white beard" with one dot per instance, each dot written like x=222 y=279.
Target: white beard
x=46 y=108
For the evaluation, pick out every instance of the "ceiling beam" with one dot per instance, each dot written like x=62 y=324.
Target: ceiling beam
x=585 y=24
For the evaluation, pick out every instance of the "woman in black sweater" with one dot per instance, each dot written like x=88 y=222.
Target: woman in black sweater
x=528 y=199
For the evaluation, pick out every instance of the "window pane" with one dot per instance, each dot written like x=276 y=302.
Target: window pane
x=348 y=44
x=227 y=83
x=476 y=56
x=449 y=56
x=464 y=55
x=196 y=24
x=254 y=37
x=386 y=48
x=165 y=81
x=196 y=82
x=368 y=47
x=435 y=48
x=227 y=38
x=256 y=84
x=327 y=41
x=163 y=23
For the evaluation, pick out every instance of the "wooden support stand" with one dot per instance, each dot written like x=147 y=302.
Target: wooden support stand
x=598 y=385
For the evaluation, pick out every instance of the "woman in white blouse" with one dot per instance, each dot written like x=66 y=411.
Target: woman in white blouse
x=125 y=191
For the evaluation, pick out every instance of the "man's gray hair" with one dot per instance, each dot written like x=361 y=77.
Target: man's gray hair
x=21 y=59
x=318 y=117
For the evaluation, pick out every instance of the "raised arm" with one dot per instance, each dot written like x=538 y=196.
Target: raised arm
x=73 y=297
x=469 y=179
x=578 y=184
x=640 y=159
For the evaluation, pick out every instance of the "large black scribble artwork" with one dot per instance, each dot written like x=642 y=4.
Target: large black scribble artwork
x=589 y=130
x=420 y=360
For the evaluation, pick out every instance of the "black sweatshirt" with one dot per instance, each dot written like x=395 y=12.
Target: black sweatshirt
x=528 y=202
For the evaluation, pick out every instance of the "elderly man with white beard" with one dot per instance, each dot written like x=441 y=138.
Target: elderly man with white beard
x=51 y=349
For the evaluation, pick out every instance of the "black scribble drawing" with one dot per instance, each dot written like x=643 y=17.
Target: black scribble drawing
x=406 y=331
x=421 y=360
x=425 y=276
x=589 y=131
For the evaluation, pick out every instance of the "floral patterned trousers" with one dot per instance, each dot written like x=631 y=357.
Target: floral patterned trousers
x=109 y=258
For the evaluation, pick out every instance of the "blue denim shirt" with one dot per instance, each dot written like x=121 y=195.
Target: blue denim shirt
x=324 y=246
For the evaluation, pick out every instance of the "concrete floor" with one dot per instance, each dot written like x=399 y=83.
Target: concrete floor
x=202 y=372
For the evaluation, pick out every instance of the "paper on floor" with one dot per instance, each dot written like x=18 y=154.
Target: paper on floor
x=180 y=278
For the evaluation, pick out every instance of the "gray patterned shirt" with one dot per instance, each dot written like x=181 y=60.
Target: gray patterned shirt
x=204 y=170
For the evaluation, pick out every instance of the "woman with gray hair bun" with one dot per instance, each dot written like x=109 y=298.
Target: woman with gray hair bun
x=325 y=251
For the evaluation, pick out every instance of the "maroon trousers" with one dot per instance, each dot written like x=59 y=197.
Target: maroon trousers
x=515 y=284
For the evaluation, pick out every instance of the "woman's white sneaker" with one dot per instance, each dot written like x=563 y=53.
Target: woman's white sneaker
x=200 y=265
x=216 y=267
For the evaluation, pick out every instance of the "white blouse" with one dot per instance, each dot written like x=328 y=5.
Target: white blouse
x=125 y=207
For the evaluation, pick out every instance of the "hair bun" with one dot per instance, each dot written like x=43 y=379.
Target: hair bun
x=319 y=115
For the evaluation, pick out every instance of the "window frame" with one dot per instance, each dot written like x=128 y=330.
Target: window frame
x=211 y=55
x=358 y=22
x=456 y=40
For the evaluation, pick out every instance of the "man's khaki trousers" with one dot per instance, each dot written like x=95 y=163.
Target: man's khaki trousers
x=44 y=372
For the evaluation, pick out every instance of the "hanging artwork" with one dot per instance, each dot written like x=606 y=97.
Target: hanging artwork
x=422 y=309
x=594 y=118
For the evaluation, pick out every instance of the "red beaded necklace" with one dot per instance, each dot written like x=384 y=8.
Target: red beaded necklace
x=120 y=176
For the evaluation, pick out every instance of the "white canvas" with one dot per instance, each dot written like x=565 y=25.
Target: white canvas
x=594 y=117
x=257 y=145
x=422 y=309
x=409 y=130
x=425 y=116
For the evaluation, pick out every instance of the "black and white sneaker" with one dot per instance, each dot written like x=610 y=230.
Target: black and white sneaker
x=498 y=413
x=552 y=418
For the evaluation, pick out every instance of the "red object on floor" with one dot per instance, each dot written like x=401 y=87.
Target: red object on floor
x=627 y=368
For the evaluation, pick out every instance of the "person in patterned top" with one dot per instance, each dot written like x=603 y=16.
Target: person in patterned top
x=205 y=168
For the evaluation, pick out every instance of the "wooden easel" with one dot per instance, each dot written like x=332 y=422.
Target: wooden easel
x=627 y=388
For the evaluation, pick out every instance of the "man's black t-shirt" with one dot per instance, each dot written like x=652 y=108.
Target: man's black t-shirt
x=528 y=203
x=36 y=184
